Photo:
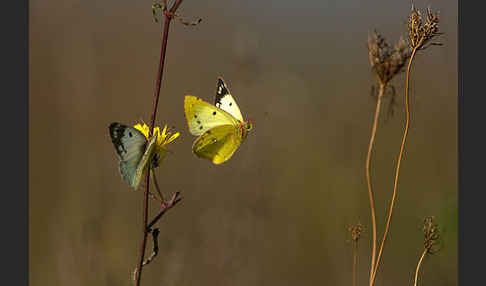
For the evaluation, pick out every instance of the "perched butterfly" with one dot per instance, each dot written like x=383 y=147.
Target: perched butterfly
x=220 y=127
x=134 y=150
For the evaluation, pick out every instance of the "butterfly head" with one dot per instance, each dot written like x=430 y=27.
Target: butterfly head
x=248 y=125
x=245 y=127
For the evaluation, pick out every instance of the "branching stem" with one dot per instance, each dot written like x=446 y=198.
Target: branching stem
x=168 y=18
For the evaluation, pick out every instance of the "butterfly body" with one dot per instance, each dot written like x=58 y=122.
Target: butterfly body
x=220 y=127
x=134 y=150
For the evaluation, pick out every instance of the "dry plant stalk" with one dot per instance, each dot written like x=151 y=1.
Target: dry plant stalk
x=356 y=231
x=386 y=62
x=420 y=34
x=169 y=15
x=431 y=240
x=155 y=250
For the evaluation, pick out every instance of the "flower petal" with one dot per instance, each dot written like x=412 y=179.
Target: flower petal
x=173 y=137
x=143 y=129
x=163 y=132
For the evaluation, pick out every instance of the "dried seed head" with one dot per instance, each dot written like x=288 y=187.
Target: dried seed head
x=420 y=33
x=431 y=235
x=356 y=231
x=386 y=61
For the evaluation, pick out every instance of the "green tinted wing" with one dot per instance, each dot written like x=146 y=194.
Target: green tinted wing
x=217 y=144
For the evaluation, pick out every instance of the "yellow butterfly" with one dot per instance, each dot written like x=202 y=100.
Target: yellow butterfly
x=220 y=127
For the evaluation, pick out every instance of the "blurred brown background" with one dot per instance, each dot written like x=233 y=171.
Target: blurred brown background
x=277 y=213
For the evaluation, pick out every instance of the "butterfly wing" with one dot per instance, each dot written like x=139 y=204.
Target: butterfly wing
x=218 y=144
x=130 y=145
x=142 y=165
x=202 y=116
x=225 y=101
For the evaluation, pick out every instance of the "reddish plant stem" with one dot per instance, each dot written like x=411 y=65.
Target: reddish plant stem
x=176 y=5
x=165 y=207
x=165 y=36
x=138 y=272
x=168 y=18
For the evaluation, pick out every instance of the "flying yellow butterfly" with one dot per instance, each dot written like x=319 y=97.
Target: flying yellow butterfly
x=220 y=127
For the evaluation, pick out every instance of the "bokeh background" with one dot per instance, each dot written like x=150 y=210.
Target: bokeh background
x=278 y=212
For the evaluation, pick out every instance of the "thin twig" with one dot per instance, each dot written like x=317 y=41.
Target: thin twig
x=418 y=266
x=156 y=184
x=355 y=235
x=397 y=172
x=165 y=206
x=155 y=250
x=386 y=61
x=355 y=261
x=152 y=196
x=165 y=35
x=368 y=175
x=431 y=241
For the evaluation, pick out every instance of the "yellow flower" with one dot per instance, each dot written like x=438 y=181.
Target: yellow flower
x=163 y=139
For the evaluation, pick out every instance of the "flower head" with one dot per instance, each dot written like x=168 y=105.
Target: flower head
x=356 y=231
x=163 y=139
x=386 y=61
x=420 y=32
x=431 y=235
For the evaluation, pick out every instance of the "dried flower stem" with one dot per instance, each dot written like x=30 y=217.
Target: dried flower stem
x=418 y=266
x=431 y=241
x=368 y=175
x=355 y=261
x=355 y=235
x=386 y=61
x=168 y=18
x=386 y=65
x=397 y=172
